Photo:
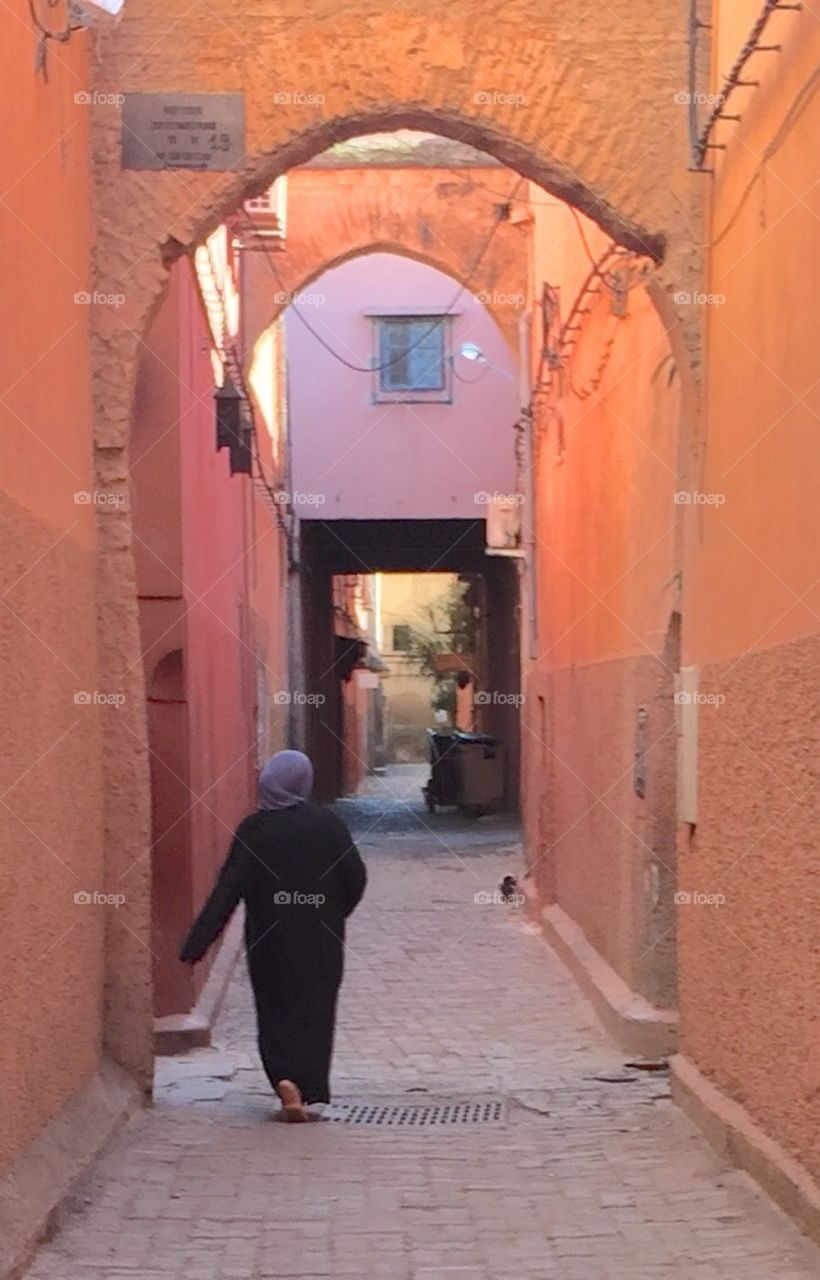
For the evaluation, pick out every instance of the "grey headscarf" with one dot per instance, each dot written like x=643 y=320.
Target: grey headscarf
x=286 y=780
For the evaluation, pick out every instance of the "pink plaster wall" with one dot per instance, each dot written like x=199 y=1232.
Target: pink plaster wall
x=192 y=524
x=395 y=461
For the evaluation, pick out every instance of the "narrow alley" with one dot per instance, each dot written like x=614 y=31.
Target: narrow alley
x=408 y=428
x=572 y=1166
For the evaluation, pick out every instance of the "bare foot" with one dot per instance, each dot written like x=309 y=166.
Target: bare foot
x=293 y=1108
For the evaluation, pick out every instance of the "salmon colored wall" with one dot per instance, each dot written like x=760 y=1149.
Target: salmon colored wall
x=749 y=976
x=217 y=555
x=354 y=721
x=50 y=747
x=268 y=533
x=209 y=574
x=605 y=517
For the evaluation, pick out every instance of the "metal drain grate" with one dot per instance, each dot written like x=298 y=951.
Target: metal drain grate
x=426 y=1116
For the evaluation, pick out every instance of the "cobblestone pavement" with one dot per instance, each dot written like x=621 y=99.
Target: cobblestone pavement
x=589 y=1174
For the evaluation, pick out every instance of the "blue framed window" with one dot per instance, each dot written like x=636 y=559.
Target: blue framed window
x=411 y=358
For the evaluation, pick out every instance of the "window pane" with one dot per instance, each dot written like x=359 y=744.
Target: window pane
x=411 y=354
x=401 y=637
x=426 y=357
x=394 y=361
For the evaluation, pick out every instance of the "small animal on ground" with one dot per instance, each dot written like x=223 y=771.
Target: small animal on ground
x=509 y=889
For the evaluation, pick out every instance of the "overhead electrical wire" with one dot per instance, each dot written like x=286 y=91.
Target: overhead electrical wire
x=376 y=368
x=538 y=204
x=246 y=223
x=548 y=204
x=230 y=357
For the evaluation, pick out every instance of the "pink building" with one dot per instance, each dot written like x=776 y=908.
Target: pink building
x=424 y=437
x=404 y=403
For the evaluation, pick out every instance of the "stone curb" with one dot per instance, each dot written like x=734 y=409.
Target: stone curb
x=35 y=1190
x=739 y=1139
x=639 y=1027
x=179 y=1032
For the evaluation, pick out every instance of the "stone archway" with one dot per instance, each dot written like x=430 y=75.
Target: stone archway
x=547 y=96
x=585 y=109
x=439 y=216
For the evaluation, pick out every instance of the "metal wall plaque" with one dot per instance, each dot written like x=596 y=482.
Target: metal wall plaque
x=183 y=131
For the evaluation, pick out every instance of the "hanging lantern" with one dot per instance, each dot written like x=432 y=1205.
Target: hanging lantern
x=227 y=401
x=234 y=427
x=241 y=455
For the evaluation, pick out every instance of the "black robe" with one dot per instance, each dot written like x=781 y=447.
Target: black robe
x=300 y=875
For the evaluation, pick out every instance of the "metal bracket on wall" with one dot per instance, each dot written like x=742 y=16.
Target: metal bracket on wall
x=639 y=768
x=700 y=139
x=686 y=716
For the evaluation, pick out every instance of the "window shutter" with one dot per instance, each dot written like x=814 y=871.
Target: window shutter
x=425 y=360
x=395 y=372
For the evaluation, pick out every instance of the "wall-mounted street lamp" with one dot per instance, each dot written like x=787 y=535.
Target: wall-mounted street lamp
x=472 y=352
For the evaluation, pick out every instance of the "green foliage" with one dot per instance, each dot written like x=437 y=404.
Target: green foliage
x=451 y=628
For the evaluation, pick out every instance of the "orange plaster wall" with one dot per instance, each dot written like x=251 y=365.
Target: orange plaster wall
x=50 y=771
x=605 y=521
x=750 y=971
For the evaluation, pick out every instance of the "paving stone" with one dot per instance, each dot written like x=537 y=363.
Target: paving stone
x=584 y=1180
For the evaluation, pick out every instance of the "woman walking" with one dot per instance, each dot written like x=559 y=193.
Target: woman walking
x=300 y=875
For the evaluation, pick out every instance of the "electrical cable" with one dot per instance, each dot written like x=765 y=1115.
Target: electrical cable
x=552 y=204
x=47 y=33
x=471 y=382
x=537 y=204
x=376 y=368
